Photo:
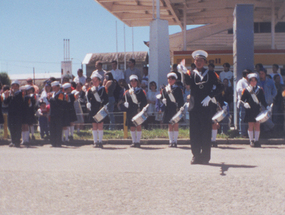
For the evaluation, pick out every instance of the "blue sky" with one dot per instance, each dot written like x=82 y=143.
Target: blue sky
x=32 y=33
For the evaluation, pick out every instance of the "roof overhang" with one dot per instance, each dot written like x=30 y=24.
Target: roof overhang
x=140 y=12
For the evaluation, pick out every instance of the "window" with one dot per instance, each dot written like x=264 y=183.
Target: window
x=265 y=27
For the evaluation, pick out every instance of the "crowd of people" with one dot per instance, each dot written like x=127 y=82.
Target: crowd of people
x=60 y=106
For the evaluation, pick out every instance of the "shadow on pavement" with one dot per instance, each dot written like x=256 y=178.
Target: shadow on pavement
x=225 y=167
x=184 y=147
x=228 y=147
x=143 y=147
x=112 y=148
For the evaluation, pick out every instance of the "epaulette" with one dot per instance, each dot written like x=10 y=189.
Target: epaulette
x=60 y=96
x=144 y=92
x=223 y=93
x=188 y=72
x=243 y=91
x=23 y=94
x=2 y=98
x=126 y=92
x=218 y=77
x=66 y=97
x=106 y=89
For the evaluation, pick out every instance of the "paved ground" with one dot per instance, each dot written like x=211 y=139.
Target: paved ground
x=152 y=180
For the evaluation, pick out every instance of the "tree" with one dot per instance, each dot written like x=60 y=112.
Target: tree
x=4 y=78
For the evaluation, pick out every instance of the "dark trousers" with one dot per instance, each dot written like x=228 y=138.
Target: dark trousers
x=200 y=133
x=43 y=120
x=15 y=127
x=56 y=125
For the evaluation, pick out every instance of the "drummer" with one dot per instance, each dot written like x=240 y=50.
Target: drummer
x=252 y=96
x=97 y=98
x=172 y=97
x=135 y=101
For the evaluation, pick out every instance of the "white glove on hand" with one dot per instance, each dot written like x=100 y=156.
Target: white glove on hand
x=88 y=105
x=206 y=101
x=126 y=104
x=224 y=107
x=268 y=107
x=131 y=91
x=246 y=105
x=164 y=101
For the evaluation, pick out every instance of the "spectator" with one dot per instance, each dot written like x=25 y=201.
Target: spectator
x=110 y=85
x=179 y=77
x=270 y=92
x=131 y=70
x=160 y=107
x=30 y=82
x=227 y=94
x=43 y=115
x=44 y=94
x=241 y=85
x=151 y=99
x=227 y=74
x=258 y=67
x=275 y=68
x=117 y=73
x=80 y=77
x=144 y=83
x=80 y=107
x=99 y=69
x=278 y=107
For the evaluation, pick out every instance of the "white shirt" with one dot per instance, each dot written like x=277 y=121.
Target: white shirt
x=241 y=85
x=117 y=74
x=228 y=75
x=81 y=79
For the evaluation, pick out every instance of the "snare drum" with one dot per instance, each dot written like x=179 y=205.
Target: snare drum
x=263 y=116
x=176 y=118
x=101 y=114
x=218 y=117
x=139 y=118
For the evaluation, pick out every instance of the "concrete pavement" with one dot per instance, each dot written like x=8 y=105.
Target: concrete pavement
x=152 y=180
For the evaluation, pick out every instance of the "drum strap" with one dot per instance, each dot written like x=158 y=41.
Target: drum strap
x=170 y=94
x=253 y=95
x=96 y=95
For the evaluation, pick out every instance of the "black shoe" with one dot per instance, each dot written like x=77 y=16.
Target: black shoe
x=252 y=143
x=257 y=144
x=170 y=145
x=11 y=145
x=133 y=145
x=214 y=144
x=100 y=145
x=174 y=145
x=195 y=161
x=138 y=145
x=70 y=138
x=33 y=137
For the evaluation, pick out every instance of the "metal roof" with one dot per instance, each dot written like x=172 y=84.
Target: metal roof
x=140 y=12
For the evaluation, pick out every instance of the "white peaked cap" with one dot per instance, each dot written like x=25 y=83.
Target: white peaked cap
x=95 y=74
x=66 y=85
x=55 y=83
x=172 y=74
x=252 y=75
x=200 y=54
x=134 y=77
x=15 y=82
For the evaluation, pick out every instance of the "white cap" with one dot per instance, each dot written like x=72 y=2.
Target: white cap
x=28 y=87
x=55 y=83
x=252 y=75
x=134 y=77
x=15 y=82
x=172 y=74
x=200 y=54
x=66 y=85
x=95 y=74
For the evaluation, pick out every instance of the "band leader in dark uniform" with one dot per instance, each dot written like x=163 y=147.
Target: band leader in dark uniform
x=97 y=97
x=172 y=97
x=205 y=85
x=14 y=100
x=57 y=104
x=135 y=101
x=252 y=97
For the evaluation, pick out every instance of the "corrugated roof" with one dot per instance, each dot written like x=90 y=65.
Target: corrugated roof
x=37 y=76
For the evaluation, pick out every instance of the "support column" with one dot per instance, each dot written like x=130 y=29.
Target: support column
x=159 y=52
x=243 y=46
x=273 y=25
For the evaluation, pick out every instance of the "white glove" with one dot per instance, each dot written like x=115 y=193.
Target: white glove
x=224 y=107
x=131 y=91
x=126 y=104
x=164 y=101
x=88 y=105
x=214 y=100
x=144 y=109
x=268 y=107
x=246 y=105
x=206 y=101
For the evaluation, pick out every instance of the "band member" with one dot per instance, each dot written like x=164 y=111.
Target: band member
x=135 y=101
x=14 y=100
x=252 y=96
x=57 y=105
x=172 y=97
x=97 y=98
x=205 y=85
x=28 y=113
x=70 y=114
